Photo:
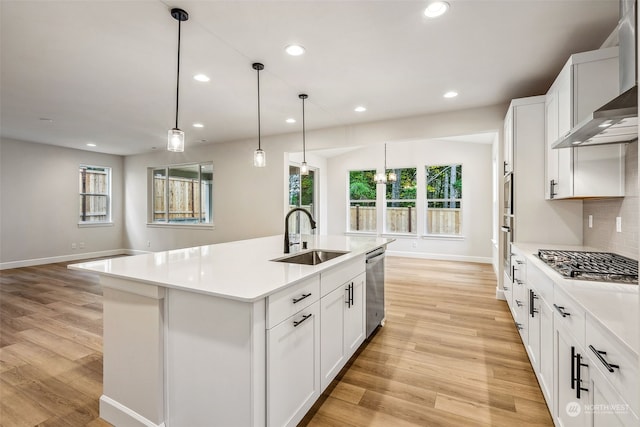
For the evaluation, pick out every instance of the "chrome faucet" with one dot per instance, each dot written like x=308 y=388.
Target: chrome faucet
x=286 y=226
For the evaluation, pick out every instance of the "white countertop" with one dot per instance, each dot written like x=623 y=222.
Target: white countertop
x=613 y=305
x=240 y=270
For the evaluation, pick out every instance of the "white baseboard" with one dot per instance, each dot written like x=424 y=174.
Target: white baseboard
x=62 y=258
x=443 y=257
x=120 y=415
x=500 y=294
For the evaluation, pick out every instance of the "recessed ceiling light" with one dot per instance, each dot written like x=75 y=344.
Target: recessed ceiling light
x=359 y=109
x=46 y=120
x=294 y=50
x=91 y=144
x=201 y=78
x=451 y=94
x=198 y=125
x=436 y=8
x=290 y=120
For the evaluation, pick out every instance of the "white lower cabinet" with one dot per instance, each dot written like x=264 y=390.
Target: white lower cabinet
x=571 y=381
x=545 y=373
x=293 y=367
x=607 y=408
x=342 y=314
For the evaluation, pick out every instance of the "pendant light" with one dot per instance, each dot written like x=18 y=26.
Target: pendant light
x=383 y=178
x=304 y=168
x=176 y=136
x=259 y=156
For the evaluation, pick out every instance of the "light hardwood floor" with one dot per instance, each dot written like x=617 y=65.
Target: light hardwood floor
x=449 y=354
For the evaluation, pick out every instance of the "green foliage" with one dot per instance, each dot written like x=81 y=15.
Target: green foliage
x=444 y=182
x=361 y=185
x=405 y=187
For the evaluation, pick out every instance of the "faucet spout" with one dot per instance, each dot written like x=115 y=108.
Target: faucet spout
x=286 y=226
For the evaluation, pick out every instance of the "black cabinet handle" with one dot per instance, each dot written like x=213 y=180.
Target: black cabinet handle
x=610 y=366
x=532 y=298
x=504 y=168
x=519 y=282
x=519 y=326
x=351 y=298
x=573 y=368
x=505 y=229
x=579 y=366
x=297 y=300
x=519 y=303
x=505 y=288
x=561 y=310
x=297 y=323
x=552 y=185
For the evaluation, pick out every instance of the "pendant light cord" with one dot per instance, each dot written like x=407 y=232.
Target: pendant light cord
x=258 y=70
x=178 y=75
x=304 y=149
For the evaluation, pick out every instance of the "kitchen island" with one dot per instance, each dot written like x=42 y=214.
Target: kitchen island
x=224 y=335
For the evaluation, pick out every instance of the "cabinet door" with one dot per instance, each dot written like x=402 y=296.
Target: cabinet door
x=608 y=408
x=570 y=410
x=551 y=159
x=355 y=316
x=293 y=367
x=332 y=318
x=533 y=344
x=545 y=314
x=508 y=143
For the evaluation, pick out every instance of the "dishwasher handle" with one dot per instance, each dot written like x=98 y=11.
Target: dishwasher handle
x=375 y=258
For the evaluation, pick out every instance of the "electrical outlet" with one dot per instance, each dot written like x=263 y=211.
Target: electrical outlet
x=590 y=221
x=81 y=245
x=619 y=224
x=148 y=243
x=415 y=244
x=74 y=246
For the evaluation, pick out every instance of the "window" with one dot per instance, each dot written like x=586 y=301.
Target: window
x=302 y=195
x=362 y=201
x=95 y=194
x=183 y=194
x=444 y=199
x=401 y=202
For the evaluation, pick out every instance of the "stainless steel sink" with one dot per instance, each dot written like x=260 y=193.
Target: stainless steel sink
x=312 y=257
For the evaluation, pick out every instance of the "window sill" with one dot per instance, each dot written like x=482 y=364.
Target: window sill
x=94 y=224
x=181 y=226
x=409 y=235
x=442 y=237
x=360 y=233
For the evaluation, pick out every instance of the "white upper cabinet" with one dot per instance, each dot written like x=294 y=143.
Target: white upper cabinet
x=587 y=81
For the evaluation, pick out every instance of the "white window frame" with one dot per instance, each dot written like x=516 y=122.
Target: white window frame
x=151 y=222
x=108 y=172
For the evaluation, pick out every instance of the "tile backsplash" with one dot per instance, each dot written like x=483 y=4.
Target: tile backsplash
x=603 y=235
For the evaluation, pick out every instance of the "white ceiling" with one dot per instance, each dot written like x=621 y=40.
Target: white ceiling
x=104 y=71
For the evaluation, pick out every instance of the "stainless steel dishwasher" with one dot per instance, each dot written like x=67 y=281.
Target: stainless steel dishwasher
x=375 y=289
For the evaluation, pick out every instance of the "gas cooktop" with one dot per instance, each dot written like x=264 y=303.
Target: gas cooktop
x=600 y=266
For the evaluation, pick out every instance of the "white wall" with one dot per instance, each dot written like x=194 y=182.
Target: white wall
x=39 y=205
x=477 y=195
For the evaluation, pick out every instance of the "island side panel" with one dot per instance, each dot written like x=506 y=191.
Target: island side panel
x=133 y=365
x=215 y=361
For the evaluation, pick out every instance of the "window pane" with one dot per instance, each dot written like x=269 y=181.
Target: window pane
x=444 y=199
x=94 y=194
x=294 y=187
x=362 y=201
x=184 y=197
x=206 y=191
x=160 y=195
x=401 y=201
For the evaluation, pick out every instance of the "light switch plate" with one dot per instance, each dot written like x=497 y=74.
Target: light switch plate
x=619 y=224
x=590 y=221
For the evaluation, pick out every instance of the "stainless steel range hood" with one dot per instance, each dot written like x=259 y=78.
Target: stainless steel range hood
x=616 y=122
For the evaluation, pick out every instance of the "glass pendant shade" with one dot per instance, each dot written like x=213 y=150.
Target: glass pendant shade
x=304 y=169
x=380 y=178
x=259 y=158
x=392 y=177
x=175 y=140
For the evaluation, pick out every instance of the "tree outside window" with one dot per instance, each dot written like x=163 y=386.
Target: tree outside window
x=401 y=202
x=444 y=200
x=362 y=201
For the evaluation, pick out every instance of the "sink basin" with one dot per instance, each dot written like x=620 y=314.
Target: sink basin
x=312 y=257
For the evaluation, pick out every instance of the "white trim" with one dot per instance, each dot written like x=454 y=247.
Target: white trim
x=500 y=294
x=181 y=226
x=443 y=257
x=95 y=224
x=442 y=237
x=61 y=258
x=120 y=415
x=361 y=233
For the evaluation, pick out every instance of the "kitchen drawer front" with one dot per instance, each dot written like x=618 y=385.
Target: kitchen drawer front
x=625 y=377
x=290 y=300
x=340 y=274
x=539 y=282
x=569 y=314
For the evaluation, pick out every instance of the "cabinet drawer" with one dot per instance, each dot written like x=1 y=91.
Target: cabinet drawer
x=341 y=273
x=625 y=377
x=290 y=300
x=569 y=314
x=539 y=282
